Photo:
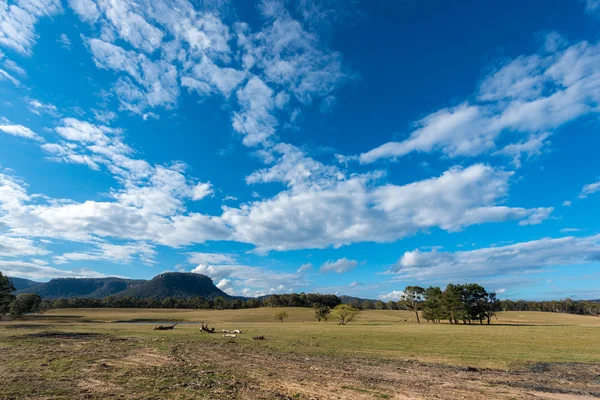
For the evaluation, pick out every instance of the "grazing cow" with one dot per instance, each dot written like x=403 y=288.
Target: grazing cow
x=231 y=335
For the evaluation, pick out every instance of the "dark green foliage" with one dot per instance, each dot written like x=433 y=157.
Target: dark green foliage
x=433 y=309
x=6 y=296
x=412 y=298
x=25 y=303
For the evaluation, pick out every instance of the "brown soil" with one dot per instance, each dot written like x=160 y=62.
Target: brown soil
x=45 y=366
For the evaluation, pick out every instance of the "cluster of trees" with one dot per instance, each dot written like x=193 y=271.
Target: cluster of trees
x=16 y=305
x=457 y=303
x=466 y=303
x=218 y=303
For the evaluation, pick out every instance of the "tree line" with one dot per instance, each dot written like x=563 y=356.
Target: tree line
x=465 y=303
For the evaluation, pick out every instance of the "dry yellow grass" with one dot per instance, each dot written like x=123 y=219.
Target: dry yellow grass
x=516 y=337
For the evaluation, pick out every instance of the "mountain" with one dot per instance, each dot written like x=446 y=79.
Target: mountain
x=20 y=283
x=175 y=284
x=353 y=301
x=64 y=288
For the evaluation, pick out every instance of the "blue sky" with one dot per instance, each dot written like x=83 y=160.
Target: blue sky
x=332 y=146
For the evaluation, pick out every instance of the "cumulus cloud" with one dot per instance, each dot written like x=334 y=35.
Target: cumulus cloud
x=394 y=295
x=339 y=266
x=488 y=262
x=253 y=281
x=530 y=94
x=202 y=190
x=355 y=210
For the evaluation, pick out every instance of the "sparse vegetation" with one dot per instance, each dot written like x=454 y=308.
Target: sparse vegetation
x=60 y=354
x=322 y=313
x=345 y=313
x=281 y=315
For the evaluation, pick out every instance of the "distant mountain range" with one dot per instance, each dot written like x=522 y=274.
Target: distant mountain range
x=170 y=284
x=20 y=283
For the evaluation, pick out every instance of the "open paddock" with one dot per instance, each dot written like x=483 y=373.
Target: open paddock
x=384 y=354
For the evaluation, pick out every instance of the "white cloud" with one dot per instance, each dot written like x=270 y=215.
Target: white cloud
x=255 y=121
x=150 y=83
x=14 y=67
x=569 y=230
x=6 y=76
x=394 y=295
x=37 y=107
x=493 y=261
x=339 y=266
x=17 y=22
x=210 y=258
x=295 y=169
x=531 y=147
x=20 y=130
x=567 y=203
x=202 y=190
x=124 y=254
x=19 y=246
x=224 y=284
x=40 y=271
x=530 y=94
x=253 y=281
x=354 y=210
x=500 y=291
x=87 y=10
x=64 y=40
x=589 y=189
x=305 y=268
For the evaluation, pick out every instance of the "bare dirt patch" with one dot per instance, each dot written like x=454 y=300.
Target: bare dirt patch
x=63 y=335
x=141 y=358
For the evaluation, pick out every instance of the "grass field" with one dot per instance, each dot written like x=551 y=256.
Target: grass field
x=73 y=340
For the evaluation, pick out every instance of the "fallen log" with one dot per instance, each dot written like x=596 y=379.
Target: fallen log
x=164 y=327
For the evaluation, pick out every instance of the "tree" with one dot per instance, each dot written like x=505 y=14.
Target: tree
x=452 y=303
x=412 y=298
x=322 y=312
x=433 y=309
x=6 y=296
x=281 y=315
x=492 y=306
x=25 y=303
x=345 y=313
